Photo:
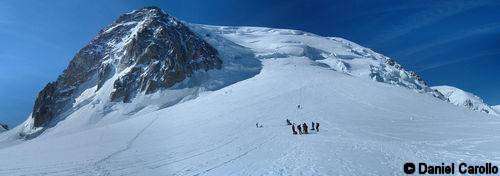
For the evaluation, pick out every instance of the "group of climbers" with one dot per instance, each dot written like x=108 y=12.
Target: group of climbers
x=303 y=128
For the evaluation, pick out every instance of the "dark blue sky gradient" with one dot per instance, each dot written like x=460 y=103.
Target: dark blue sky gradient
x=447 y=42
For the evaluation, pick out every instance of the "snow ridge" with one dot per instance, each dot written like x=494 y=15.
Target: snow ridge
x=332 y=52
x=465 y=99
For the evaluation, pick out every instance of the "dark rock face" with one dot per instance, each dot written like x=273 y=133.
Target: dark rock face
x=5 y=127
x=150 y=49
x=163 y=53
x=43 y=109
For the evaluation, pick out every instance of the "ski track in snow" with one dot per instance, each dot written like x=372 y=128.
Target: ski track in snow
x=191 y=156
x=102 y=170
x=235 y=158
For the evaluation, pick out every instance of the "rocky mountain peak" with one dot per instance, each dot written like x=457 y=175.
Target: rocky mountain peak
x=142 y=51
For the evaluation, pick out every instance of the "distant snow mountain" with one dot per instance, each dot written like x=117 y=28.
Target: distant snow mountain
x=460 y=97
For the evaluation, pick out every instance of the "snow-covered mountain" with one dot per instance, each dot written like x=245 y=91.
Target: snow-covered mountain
x=466 y=99
x=330 y=52
x=147 y=51
x=3 y=127
x=151 y=95
x=142 y=52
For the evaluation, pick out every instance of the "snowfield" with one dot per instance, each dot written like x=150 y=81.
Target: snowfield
x=367 y=127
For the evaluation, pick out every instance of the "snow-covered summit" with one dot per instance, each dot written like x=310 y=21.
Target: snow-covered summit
x=331 y=52
x=466 y=99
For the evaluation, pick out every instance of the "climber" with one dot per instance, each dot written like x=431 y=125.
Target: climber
x=300 y=129
x=312 y=126
x=317 y=127
x=258 y=125
x=293 y=129
x=304 y=126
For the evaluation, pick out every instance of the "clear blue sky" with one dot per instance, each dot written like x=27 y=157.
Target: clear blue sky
x=447 y=42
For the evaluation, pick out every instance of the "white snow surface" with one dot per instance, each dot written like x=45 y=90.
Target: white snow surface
x=496 y=108
x=367 y=127
x=466 y=99
x=329 y=52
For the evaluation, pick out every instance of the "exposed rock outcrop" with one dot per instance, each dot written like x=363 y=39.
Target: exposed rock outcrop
x=3 y=127
x=145 y=50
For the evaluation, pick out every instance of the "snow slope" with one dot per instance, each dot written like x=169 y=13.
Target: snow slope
x=496 y=108
x=367 y=127
x=466 y=99
x=331 y=52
